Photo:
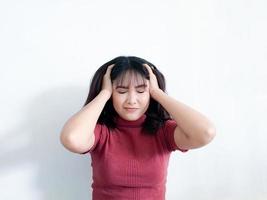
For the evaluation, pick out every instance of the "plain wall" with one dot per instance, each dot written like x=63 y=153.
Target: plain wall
x=212 y=53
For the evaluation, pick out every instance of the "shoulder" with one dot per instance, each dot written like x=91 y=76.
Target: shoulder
x=169 y=125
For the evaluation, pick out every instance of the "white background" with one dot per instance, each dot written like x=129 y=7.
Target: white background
x=213 y=54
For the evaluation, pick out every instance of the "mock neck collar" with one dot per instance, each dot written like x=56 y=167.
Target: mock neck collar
x=136 y=123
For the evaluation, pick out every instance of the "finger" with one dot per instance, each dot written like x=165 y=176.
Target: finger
x=110 y=68
x=148 y=68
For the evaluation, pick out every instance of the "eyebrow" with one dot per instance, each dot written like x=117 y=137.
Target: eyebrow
x=126 y=87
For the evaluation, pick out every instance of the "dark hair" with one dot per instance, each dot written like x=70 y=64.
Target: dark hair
x=156 y=115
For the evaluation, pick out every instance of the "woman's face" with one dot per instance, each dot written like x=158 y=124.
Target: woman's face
x=131 y=96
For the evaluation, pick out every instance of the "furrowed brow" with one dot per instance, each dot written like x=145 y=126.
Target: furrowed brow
x=126 y=87
x=120 y=86
x=141 y=86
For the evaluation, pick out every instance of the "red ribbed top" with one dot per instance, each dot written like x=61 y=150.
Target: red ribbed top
x=128 y=164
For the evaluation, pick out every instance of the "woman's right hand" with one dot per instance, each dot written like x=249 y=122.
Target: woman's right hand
x=106 y=83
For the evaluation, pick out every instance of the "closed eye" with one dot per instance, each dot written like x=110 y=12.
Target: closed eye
x=121 y=92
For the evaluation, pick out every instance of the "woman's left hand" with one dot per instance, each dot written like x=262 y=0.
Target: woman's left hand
x=153 y=83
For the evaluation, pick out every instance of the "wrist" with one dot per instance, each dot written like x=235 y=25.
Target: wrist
x=106 y=93
x=156 y=92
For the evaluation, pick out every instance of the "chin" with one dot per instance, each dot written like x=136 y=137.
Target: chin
x=131 y=117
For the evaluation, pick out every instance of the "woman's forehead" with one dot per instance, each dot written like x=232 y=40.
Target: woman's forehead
x=130 y=78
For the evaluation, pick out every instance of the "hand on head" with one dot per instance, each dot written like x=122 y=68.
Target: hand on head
x=153 y=83
x=106 y=83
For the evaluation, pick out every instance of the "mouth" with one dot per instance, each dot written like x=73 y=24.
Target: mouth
x=131 y=109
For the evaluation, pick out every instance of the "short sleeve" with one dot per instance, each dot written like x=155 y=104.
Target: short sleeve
x=98 y=133
x=168 y=129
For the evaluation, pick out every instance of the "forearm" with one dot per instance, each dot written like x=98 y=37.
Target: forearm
x=193 y=123
x=80 y=127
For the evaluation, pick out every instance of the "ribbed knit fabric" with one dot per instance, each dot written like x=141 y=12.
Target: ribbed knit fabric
x=129 y=164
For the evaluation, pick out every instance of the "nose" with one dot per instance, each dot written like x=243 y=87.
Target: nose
x=131 y=98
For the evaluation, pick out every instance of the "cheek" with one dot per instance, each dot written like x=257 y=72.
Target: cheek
x=146 y=99
x=117 y=100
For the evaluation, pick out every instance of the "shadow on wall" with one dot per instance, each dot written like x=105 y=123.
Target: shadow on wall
x=60 y=173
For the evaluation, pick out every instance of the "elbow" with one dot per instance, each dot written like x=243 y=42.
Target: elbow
x=202 y=138
x=68 y=138
x=74 y=143
x=69 y=142
x=209 y=135
x=66 y=141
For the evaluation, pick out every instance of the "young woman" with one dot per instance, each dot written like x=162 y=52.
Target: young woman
x=129 y=125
